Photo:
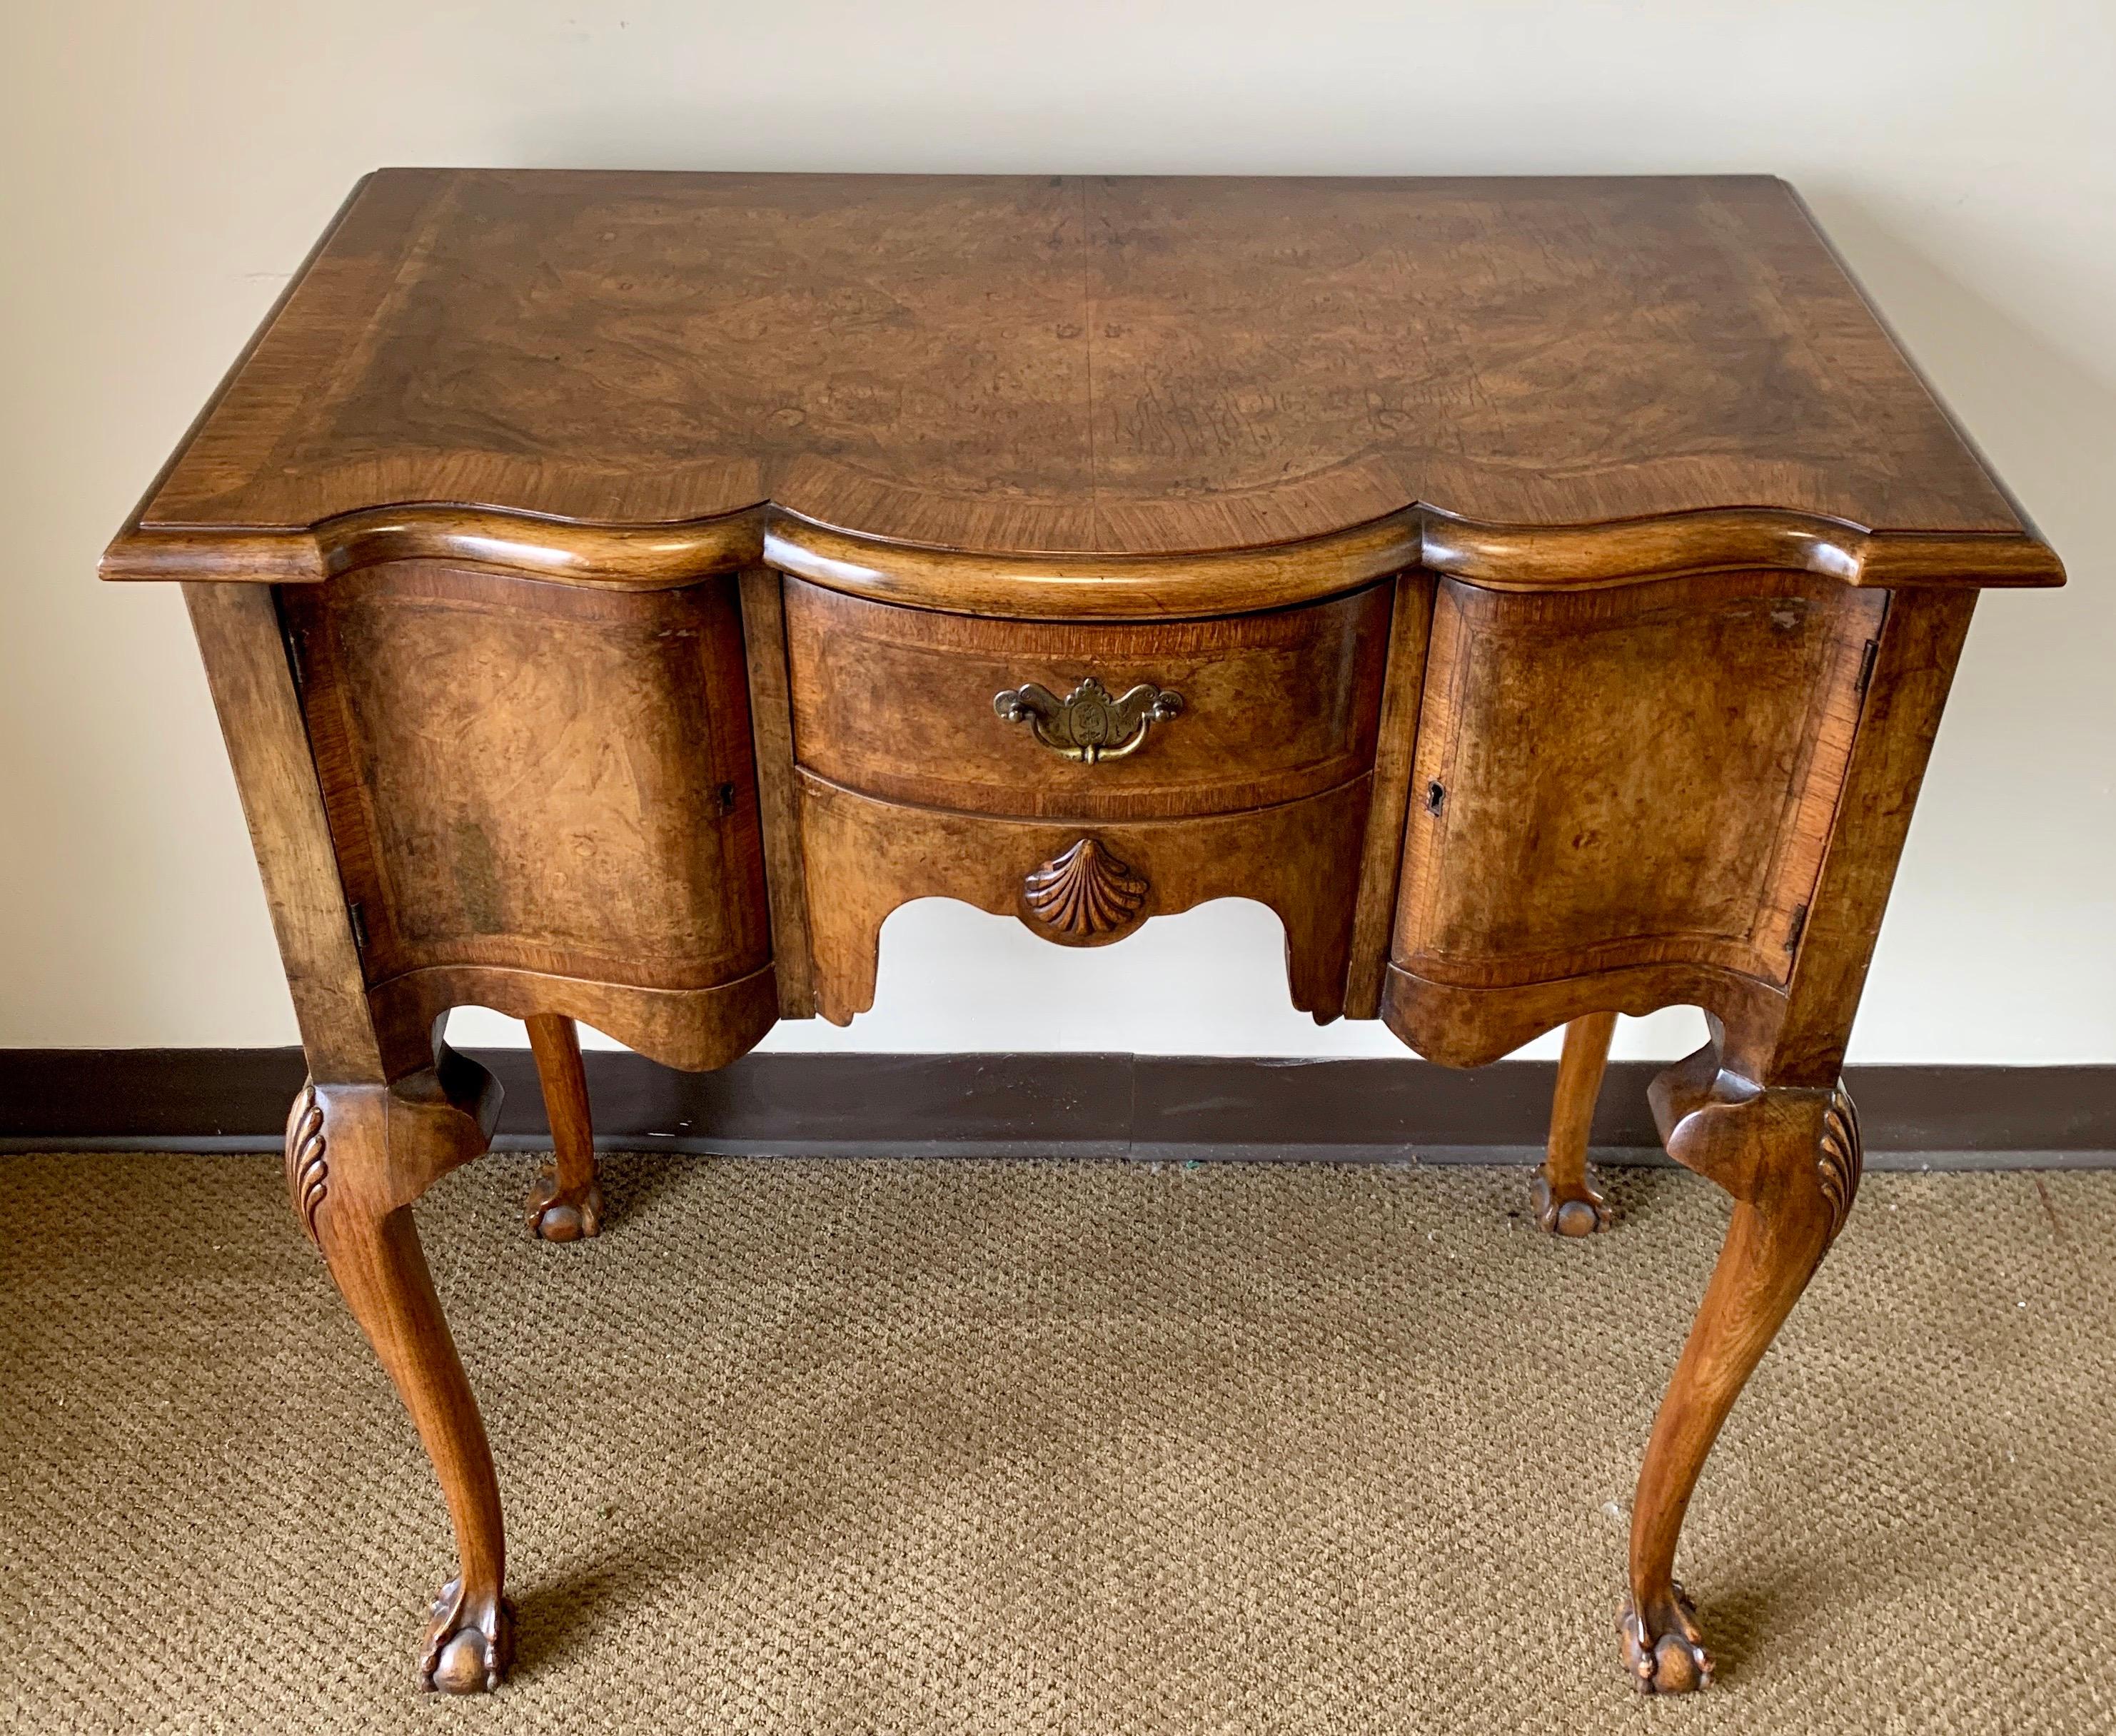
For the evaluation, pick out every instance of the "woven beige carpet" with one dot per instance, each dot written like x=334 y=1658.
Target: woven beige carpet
x=994 y=1448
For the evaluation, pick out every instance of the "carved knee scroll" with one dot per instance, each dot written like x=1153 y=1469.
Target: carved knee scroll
x=308 y=1158
x=1791 y=1146
x=1791 y=1157
x=1841 y=1158
x=356 y=1156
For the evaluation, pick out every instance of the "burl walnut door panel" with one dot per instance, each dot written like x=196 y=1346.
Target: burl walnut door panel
x=536 y=777
x=1636 y=775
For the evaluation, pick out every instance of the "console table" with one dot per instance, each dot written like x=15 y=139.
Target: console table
x=621 y=591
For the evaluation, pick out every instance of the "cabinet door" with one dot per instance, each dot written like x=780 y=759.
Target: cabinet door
x=536 y=777
x=1636 y=775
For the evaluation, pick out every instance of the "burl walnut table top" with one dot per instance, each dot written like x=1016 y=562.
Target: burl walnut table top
x=1096 y=365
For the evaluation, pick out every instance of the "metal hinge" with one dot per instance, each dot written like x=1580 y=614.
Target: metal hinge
x=1866 y=664
x=357 y=912
x=1799 y=927
x=289 y=641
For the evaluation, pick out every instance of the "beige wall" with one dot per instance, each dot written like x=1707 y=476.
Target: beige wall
x=166 y=164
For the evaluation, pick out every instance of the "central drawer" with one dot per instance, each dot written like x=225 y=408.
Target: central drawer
x=1128 y=720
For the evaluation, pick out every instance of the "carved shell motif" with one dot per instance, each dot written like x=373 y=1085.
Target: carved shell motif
x=1085 y=892
x=1840 y=1157
x=308 y=1174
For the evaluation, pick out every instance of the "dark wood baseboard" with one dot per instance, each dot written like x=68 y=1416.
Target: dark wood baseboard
x=1144 y=1107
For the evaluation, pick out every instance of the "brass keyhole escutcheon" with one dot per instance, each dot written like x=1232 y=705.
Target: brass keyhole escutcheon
x=1089 y=724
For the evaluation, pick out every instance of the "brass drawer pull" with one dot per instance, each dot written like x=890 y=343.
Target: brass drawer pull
x=1087 y=724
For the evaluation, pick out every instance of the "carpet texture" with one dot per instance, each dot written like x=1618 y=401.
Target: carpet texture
x=991 y=1448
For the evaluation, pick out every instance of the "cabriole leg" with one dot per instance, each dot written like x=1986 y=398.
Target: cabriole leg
x=1566 y=1203
x=356 y=1157
x=566 y=1203
x=1790 y=1159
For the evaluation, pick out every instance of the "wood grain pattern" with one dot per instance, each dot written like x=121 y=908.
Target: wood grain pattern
x=1089 y=586
x=1610 y=778
x=695 y=1029
x=898 y=703
x=499 y=755
x=1913 y=668
x=261 y=721
x=1460 y=1026
x=778 y=791
x=866 y=858
x=1396 y=741
x=1035 y=366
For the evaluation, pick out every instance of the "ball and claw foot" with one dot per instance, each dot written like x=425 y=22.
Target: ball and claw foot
x=556 y=1215
x=469 y=1643
x=1667 y=1656
x=1569 y=1213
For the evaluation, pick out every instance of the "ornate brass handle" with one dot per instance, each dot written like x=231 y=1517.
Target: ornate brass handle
x=1087 y=724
